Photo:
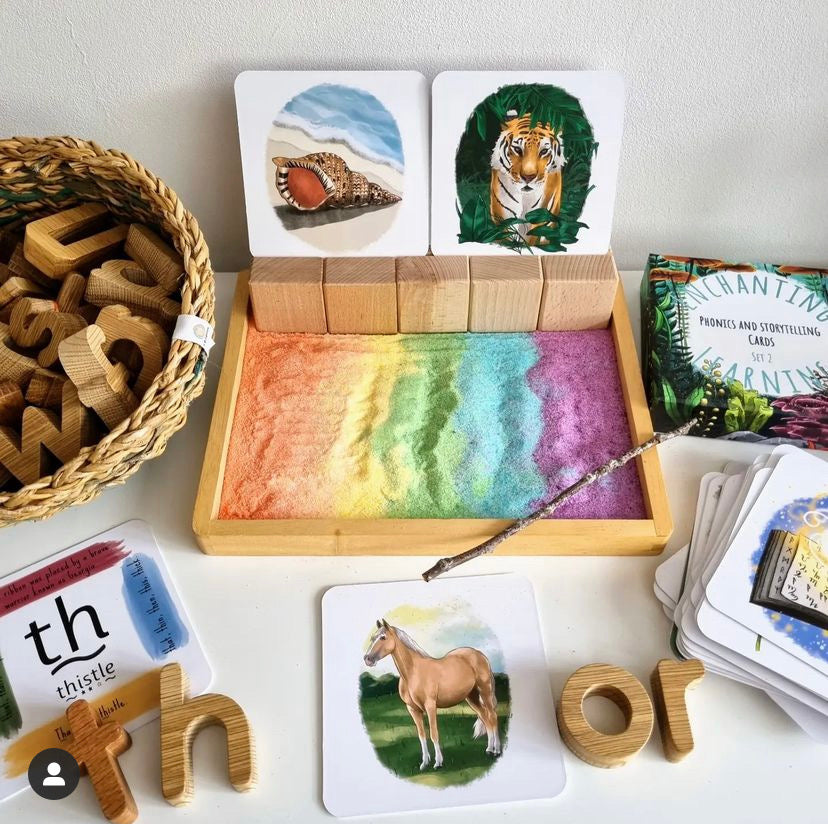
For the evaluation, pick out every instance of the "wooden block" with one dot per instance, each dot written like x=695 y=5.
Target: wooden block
x=17 y=287
x=71 y=292
x=20 y=267
x=119 y=324
x=5 y=274
x=670 y=681
x=155 y=256
x=124 y=282
x=433 y=293
x=578 y=292
x=101 y=385
x=624 y=690
x=361 y=295
x=63 y=436
x=44 y=248
x=96 y=747
x=45 y=389
x=182 y=718
x=505 y=294
x=35 y=324
x=11 y=404
x=286 y=294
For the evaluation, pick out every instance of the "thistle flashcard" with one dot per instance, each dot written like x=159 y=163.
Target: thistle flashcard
x=94 y=622
x=334 y=163
x=436 y=696
x=524 y=162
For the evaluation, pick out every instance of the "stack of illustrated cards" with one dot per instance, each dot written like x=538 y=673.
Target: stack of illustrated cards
x=95 y=622
x=749 y=594
x=436 y=695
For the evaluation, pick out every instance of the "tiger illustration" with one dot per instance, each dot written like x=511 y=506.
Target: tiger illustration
x=526 y=171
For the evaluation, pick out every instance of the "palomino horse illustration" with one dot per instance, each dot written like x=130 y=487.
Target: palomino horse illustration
x=426 y=683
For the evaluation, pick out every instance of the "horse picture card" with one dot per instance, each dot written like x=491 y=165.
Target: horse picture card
x=524 y=162
x=435 y=696
x=334 y=163
x=95 y=622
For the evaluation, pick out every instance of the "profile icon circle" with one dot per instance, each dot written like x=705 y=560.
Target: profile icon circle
x=54 y=779
x=53 y=774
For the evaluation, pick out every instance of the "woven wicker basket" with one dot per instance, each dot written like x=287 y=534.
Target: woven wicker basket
x=39 y=176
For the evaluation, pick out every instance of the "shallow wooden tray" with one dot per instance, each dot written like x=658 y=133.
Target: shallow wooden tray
x=425 y=536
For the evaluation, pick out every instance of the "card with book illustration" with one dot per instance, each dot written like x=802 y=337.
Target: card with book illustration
x=95 y=622
x=794 y=499
x=749 y=594
x=792 y=578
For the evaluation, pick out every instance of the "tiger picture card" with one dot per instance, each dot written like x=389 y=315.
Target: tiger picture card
x=524 y=162
x=334 y=163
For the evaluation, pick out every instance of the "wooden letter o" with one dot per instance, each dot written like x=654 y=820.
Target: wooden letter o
x=627 y=693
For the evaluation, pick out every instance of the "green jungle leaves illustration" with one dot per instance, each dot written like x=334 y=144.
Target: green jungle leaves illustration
x=670 y=354
x=746 y=409
x=545 y=104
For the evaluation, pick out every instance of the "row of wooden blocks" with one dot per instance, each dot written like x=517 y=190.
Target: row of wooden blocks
x=433 y=294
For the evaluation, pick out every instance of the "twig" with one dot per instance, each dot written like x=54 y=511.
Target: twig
x=452 y=561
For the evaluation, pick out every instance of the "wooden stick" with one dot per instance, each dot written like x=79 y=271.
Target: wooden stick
x=452 y=561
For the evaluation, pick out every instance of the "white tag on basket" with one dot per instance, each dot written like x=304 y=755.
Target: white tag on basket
x=193 y=329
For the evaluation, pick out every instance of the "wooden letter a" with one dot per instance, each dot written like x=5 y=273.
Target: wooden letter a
x=182 y=718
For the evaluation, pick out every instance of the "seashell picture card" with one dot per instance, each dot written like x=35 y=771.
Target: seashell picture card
x=335 y=163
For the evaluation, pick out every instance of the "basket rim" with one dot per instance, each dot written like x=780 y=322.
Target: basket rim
x=37 y=176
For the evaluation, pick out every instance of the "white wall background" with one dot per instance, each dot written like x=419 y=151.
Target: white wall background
x=726 y=141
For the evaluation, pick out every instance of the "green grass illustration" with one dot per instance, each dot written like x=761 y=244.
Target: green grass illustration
x=395 y=741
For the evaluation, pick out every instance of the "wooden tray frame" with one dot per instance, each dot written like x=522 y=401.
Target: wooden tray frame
x=421 y=536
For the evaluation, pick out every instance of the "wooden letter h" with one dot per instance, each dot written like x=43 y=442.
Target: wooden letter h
x=182 y=718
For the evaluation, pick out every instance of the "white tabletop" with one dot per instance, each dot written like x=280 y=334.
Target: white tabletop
x=258 y=619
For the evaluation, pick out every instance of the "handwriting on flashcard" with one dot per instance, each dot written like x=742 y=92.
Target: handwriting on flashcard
x=807 y=580
x=153 y=612
x=786 y=559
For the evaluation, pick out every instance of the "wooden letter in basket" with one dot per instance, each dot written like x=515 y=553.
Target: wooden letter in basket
x=44 y=247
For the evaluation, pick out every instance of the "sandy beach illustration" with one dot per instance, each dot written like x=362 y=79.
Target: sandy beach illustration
x=356 y=127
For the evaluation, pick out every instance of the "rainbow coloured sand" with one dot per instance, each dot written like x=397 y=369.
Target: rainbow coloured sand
x=426 y=426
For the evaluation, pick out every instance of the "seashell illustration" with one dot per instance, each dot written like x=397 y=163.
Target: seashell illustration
x=323 y=181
